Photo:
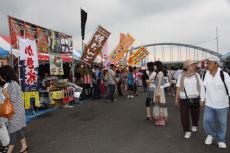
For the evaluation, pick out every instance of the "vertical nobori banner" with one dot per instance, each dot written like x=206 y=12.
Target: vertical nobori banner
x=56 y=65
x=83 y=22
x=95 y=45
x=137 y=56
x=122 y=37
x=121 y=48
x=141 y=56
x=28 y=64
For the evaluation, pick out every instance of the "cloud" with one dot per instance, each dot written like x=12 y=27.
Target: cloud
x=148 y=21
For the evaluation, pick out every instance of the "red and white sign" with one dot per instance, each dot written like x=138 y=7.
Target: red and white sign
x=28 y=64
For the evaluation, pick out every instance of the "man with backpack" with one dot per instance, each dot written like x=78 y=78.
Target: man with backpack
x=217 y=83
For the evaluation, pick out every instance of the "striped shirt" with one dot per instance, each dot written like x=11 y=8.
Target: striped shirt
x=18 y=121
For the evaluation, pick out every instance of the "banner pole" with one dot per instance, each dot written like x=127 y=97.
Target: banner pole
x=73 y=68
x=11 y=59
x=82 y=46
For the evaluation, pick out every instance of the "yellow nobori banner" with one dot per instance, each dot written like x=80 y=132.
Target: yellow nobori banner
x=121 y=49
x=138 y=56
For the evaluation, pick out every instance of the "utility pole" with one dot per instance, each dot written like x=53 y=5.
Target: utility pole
x=217 y=43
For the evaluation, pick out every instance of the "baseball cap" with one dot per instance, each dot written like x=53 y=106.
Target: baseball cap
x=214 y=59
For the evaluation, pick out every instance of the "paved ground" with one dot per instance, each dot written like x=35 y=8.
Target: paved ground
x=99 y=127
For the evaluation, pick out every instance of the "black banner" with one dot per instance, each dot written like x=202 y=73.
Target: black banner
x=83 y=22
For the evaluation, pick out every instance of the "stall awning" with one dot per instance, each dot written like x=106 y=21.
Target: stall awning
x=4 y=46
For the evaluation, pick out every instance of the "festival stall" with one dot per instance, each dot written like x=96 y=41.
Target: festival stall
x=38 y=48
x=4 y=50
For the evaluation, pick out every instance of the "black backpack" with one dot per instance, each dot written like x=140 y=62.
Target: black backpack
x=222 y=78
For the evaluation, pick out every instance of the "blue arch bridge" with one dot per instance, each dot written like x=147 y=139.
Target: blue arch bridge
x=178 y=52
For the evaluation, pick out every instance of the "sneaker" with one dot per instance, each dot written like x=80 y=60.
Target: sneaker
x=222 y=145
x=65 y=106
x=131 y=96
x=70 y=106
x=208 y=140
x=194 y=128
x=162 y=123
x=157 y=122
x=187 y=135
x=128 y=96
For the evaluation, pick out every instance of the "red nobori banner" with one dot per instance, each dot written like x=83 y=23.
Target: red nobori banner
x=95 y=45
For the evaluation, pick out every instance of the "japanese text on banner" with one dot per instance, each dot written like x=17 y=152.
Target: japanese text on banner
x=121 y=48
x=138 y=56
x=28 y=65
x=95 y=45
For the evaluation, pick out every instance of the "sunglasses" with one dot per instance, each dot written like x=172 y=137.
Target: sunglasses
x=209 y=62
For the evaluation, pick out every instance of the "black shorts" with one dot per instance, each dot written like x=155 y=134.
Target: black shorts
x=17 y=136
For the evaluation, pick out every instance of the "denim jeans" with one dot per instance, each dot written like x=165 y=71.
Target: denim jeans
x=215 y=122
x=112 y=88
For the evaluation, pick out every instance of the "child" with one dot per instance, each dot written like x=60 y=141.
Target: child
x=130 y=82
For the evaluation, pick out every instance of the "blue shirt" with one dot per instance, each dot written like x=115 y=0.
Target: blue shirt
x=130 y=79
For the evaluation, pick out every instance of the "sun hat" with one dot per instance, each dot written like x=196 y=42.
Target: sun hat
x=188 y=62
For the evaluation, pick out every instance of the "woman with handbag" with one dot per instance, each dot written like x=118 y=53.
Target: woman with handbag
x=190 y=95
x=17 y=123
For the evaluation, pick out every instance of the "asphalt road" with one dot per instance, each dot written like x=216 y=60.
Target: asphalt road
x=99 y=127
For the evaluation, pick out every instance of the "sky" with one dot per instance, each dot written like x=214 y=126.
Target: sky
x=148 y=21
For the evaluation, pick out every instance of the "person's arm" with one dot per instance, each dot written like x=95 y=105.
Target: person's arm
x=169 y=77
x=202 y=92
x=177 y=100
x=158 y=86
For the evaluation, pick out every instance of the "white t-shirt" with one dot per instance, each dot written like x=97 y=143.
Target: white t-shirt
x=177 y=74
x=190 y=85
x=111 y=76
x=152 y=77
x=216 y=96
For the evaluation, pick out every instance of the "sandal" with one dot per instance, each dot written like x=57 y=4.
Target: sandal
x=148 y=118
x=24 y=150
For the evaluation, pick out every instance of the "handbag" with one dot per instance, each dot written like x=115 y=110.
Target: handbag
x=192 y=102
x=6 y=108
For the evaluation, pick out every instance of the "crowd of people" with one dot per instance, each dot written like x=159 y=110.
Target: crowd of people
x=104 y=82
x=194 y=89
